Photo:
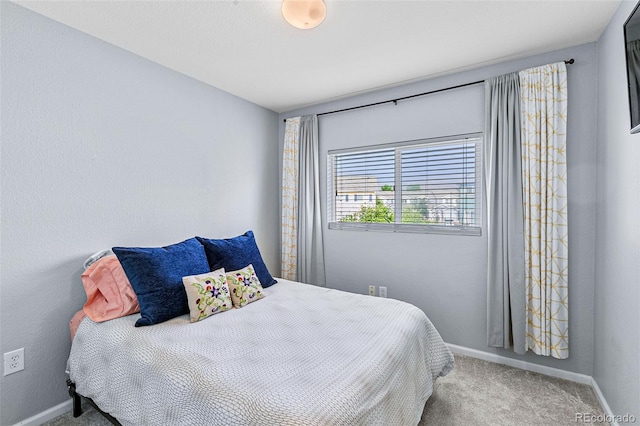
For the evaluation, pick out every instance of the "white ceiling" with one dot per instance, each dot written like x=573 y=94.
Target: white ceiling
x=246 y=48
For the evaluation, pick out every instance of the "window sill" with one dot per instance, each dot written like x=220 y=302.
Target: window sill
x=403 y=227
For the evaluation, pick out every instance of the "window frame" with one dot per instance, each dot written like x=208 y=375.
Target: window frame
x=398 y=147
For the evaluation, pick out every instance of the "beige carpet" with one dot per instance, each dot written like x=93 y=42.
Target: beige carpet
x=477 y=393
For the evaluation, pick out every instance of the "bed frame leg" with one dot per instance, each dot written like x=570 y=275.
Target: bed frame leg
x=77 y=403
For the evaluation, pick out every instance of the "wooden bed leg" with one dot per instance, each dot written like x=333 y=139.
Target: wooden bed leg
x=77 y=402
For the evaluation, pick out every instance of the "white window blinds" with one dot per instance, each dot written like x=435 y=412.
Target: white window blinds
x=430 y=185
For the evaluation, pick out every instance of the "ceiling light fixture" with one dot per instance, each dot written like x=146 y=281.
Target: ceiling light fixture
x=304 y=14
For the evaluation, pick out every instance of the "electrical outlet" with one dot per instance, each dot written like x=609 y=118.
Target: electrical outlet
x=382 y=291
x=14 y=361
x=372 y=290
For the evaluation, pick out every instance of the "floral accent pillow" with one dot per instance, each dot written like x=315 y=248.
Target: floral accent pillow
x=207 y=294
x=245 y=286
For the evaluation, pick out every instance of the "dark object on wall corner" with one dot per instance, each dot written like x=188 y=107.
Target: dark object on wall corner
x=632 y=49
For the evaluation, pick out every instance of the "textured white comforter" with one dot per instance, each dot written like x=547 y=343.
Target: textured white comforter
x=303 y=355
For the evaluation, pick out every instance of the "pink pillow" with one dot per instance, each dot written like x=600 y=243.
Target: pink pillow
x=109 y=293
x=75 y=322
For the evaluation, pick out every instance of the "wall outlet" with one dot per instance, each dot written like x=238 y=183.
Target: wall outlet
x=372 y=290
x=14 y=361
x=383 y=291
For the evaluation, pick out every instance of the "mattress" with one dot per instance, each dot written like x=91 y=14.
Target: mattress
x=303 y=355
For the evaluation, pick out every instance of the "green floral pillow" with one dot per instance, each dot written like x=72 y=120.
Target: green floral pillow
x=207 y=294
x=245 y=286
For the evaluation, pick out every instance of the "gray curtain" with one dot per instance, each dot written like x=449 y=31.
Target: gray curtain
x=506 y=313
x=310 y=245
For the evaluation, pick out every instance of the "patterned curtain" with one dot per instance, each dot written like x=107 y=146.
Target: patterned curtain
x=302 y=241
x=543 y=108
x=289 y=226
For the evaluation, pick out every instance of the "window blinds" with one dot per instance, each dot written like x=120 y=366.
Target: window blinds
x=435 y=183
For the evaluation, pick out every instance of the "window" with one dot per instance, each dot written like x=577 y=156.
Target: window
x=430 y=185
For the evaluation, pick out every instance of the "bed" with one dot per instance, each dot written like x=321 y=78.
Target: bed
x=302 y=355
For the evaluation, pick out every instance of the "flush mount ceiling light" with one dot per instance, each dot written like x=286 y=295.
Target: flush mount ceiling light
x=304 y=14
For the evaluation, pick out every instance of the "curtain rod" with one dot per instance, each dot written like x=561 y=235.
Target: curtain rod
x=395 y=101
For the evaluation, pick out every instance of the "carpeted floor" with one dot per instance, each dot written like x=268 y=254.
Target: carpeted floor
x=478 y=393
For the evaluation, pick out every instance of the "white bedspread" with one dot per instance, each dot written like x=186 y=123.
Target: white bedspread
x=303 y=355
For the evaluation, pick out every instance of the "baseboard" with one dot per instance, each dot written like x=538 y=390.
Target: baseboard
x=47 y=415
x=523 y=365
x=603 y=402
x=542 y=369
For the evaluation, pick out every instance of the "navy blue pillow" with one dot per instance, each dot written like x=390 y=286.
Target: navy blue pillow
x=236 y=253
x=155 y=273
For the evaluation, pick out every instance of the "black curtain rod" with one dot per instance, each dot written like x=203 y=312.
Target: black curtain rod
x=395 y=101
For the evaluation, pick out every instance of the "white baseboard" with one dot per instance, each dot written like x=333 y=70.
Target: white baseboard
x=542 y=369
x=523 y=365
x=603 y=402
x=47 y=415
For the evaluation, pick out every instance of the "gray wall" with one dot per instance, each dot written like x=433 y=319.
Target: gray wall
x=617 y=296
x=445 y=275
x=99 y=148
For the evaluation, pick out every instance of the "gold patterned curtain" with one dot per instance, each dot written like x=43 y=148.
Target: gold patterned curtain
x=289 y=226
x=543 y=109
x=301 y=235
